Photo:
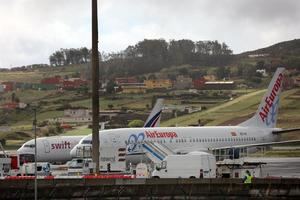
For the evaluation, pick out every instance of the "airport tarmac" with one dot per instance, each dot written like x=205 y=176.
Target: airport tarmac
x=279 y=167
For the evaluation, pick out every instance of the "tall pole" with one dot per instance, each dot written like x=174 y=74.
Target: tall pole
x=35 y=157
x=95 y=86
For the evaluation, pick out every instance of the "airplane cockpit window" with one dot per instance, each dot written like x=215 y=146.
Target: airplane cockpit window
x=86 y=142
x=29 y=145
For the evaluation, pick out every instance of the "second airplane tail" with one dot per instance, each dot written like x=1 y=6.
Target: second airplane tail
x=266 y=114
x=154 y=117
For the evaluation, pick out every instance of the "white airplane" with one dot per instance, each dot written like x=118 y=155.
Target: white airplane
x=49 y=149
x=83 y=148
x=257 y=131
x=58 y=148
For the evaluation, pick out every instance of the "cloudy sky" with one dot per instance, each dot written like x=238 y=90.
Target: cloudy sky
x=30 y=30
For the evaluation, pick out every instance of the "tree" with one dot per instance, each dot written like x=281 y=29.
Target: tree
x=260 y=64
x=136 y=123
x=110 y=87
x=222 y=72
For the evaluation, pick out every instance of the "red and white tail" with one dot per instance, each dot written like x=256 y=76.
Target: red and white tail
x=266 y=114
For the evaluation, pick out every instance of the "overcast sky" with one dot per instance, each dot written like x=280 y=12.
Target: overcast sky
x=30 y=30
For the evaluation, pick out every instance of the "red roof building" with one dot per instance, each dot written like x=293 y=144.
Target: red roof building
x=10 y=105
x=73 y=83
x=123 y=80
x=8 y=86
x=199 y=83
x=52 y=80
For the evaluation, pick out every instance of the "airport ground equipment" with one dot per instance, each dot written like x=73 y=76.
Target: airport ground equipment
x=156 y=152
x=5 y=166
x=191 y=165
x=28 y=169
x=81 y=166
x=236 y=168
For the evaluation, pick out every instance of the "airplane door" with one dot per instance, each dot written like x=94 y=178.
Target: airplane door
x=46 y=146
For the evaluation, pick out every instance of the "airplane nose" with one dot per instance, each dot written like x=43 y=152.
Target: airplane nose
x=73 y=152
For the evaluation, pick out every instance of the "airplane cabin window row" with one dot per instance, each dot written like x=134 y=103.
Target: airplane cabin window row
x=184 y=140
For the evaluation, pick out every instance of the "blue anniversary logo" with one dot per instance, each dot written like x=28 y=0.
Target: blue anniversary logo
x=134 y=142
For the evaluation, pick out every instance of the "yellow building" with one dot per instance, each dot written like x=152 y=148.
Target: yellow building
x=133 y=89
x=158 y=83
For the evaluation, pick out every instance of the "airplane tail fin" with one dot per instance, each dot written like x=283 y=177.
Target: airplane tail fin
x=266 y=114
x=154 y=117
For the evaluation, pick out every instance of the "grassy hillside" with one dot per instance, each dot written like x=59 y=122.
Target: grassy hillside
x=241 y=108
x=38 y=74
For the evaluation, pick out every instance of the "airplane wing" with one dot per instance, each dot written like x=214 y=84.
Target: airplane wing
x=285 y=130
x=257 y=145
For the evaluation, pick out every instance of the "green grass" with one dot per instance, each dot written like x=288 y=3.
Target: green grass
x=240 y=107
x=132 y=102
x=26 y=77
x=79 y=131
x=220 y=112
x=13 y=144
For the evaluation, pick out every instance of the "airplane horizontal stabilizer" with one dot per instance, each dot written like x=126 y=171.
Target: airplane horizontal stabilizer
x=257 y=145
x=286 y=130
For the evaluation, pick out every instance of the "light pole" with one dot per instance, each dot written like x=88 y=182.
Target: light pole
x=35 y=156
x=95 y=86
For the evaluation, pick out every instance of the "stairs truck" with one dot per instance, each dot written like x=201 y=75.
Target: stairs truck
x=191 y=165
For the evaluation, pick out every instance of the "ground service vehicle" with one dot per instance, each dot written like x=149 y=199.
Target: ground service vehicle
x=191 y=165
x=28 y=169
x=80 y=166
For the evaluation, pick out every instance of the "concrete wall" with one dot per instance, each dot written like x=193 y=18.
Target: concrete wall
x=285 y=188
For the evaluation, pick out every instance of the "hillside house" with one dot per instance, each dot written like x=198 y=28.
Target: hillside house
x=20 y=85
x=8 y=86
x=199 y=83
x=297 y=81
x=219 y=85
x=40 y=86
x=56 y=80
x=262 y=72
x=77 y=113
x=79 y=116
x=125 y=80
x=135 y=88
x=13 y=105
x=158 y=84
x=2 y=88
x=210 y=77
x=73 y=83
x=183 y=82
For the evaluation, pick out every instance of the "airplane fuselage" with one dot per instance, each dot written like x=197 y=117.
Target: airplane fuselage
x=50 y=149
